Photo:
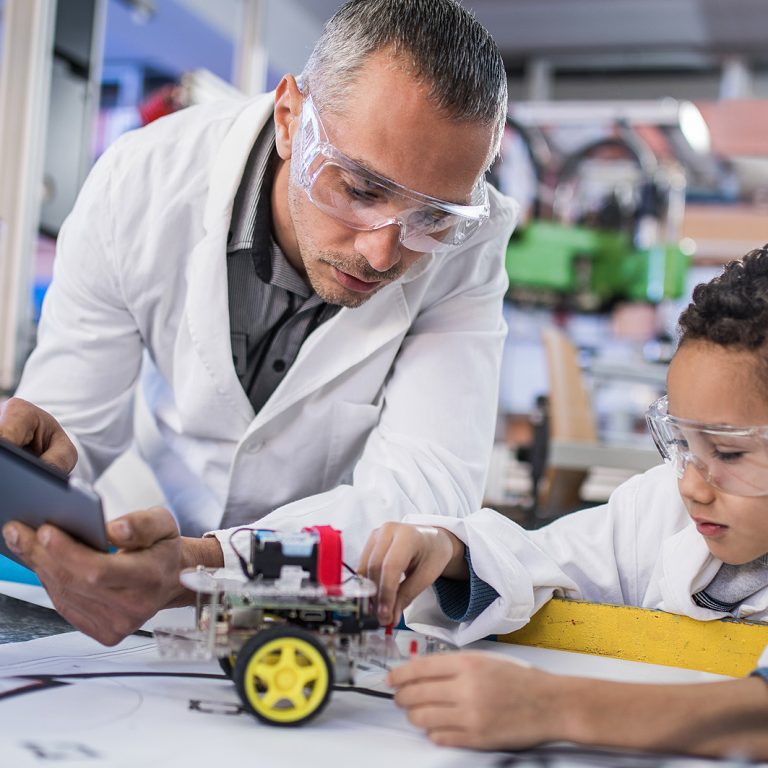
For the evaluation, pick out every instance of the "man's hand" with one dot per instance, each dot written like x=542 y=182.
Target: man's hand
x=108 y=596
x=479 y=700
x=30 y=427
x=420 y=553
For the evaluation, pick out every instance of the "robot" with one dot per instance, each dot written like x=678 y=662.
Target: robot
x=287 y=627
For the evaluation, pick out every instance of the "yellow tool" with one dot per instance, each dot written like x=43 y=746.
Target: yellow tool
x=725 y=647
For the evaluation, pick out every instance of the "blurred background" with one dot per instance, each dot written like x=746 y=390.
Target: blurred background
x=637 y=145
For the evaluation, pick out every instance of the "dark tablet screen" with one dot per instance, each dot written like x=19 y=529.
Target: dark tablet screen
x=34 y=493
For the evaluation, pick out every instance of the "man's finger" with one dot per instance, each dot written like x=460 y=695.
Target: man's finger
x=60 y=452
x=17 y=422
x=19 y=538
x=47 y=553
x=120 y=590
x=75 y=568
x=54 y=553
x=143 y=529
x=28 y=426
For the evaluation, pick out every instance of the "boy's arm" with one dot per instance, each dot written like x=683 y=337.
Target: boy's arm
x=511 y=577
x=482 y=701
x=713 y=719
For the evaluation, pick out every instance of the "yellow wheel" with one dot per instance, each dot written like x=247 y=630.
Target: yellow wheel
x=283 y=676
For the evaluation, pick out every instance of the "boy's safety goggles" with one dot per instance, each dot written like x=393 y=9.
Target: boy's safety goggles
x=733 y=459
x=362 y=199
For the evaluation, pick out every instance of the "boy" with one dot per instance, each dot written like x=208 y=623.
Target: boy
x=700 y=549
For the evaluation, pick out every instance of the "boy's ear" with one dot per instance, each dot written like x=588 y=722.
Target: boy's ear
x=288 y=101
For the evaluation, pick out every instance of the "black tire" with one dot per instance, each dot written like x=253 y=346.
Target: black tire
x=227 y=664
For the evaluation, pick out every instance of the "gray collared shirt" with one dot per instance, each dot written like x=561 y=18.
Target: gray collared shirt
x=272 y=310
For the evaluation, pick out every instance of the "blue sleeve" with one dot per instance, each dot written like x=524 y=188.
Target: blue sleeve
x=760 y=672
x=464 y=600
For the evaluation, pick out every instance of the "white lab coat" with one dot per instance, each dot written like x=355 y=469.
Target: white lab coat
x=388 y=409
x=641 y=548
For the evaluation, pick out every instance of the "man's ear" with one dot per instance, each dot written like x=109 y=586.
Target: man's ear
x=288 y=101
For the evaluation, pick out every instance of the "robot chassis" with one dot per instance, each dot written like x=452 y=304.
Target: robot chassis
x=287 y=628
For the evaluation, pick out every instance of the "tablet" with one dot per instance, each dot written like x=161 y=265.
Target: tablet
x=34 y=493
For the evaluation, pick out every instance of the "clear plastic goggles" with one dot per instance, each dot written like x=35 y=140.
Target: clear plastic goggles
x=361 y=199
x=733 y=459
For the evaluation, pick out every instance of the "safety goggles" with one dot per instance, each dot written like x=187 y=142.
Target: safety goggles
x=733 y=459
x=364 y=200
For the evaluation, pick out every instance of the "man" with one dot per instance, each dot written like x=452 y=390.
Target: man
x=341 y=233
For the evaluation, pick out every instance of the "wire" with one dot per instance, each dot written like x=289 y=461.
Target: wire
x=364 y=691
x=40 y=682
x=244 y=564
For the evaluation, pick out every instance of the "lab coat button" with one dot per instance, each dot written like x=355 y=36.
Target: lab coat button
x=254 y=446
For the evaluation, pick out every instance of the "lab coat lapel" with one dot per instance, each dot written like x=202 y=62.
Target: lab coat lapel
x=339 y=344
x=207 y=306
x=688 y=566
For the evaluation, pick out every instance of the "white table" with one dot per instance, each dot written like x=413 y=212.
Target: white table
x=132 y=713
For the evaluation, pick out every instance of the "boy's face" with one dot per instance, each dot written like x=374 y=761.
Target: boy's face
x=717 y=385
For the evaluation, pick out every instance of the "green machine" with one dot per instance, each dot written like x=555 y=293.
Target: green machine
x=589 y=267
x=611 y=252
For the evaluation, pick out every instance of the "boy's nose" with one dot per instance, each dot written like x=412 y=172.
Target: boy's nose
x=693 y=484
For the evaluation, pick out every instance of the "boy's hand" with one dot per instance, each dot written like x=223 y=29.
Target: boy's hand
x=420 y=553
x=480 y=700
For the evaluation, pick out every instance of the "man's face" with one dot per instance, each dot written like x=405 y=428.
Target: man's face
x=388 y=126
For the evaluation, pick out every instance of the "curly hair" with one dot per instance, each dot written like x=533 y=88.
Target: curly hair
x=732 y=309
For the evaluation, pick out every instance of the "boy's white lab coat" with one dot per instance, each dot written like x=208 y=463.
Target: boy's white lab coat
x=389 y=408
x=641 y=548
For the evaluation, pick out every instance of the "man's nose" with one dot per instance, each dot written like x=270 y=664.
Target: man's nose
x=380 y=247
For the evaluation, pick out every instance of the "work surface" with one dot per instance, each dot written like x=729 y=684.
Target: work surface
x=66 y=700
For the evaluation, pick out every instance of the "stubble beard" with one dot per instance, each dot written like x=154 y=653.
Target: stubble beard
x=318 y=263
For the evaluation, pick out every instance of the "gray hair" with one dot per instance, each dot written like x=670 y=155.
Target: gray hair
x=442 y=42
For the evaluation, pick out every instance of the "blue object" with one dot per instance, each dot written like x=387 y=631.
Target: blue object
x=761 y=672
x=12 y=571
x=38 y=294
x=464 y=600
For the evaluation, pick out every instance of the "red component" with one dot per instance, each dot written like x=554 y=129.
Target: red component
x=328 y=555
x=414 y=647
x=388 y=630
x=158 y=104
